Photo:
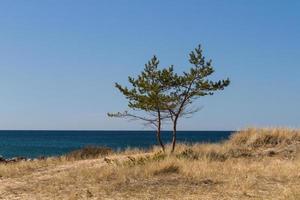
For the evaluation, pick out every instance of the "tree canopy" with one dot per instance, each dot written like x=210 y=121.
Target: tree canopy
x=147 y=94
x=166 y=95
x=184 y=89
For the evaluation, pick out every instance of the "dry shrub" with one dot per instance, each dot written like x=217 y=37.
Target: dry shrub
x=244 y=144
x=88 y=152
x=256 y=138
x=171 y=168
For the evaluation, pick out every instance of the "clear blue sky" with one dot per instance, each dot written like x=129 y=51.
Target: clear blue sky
x=59 y=59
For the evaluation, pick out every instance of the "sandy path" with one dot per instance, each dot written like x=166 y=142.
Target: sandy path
x=9 y=185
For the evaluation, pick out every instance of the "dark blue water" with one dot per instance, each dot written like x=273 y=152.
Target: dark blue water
x=52 y=143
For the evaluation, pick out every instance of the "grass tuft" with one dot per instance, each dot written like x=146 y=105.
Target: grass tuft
x=171 y=168
x=89 y=152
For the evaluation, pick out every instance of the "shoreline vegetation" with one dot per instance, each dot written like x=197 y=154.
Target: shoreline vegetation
x=251 y=164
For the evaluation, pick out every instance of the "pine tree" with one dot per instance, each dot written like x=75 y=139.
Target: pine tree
x=146 y=97
x=162 y=94
x=186 y=88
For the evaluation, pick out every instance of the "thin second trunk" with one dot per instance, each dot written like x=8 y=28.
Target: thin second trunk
x=174 y=135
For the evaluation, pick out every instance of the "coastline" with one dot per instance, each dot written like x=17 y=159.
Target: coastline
x=252 y=164
x=35 y=144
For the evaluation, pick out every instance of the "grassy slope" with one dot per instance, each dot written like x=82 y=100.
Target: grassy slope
x=253 y=164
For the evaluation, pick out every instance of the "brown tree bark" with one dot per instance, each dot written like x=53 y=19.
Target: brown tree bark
x=174 y=135
x=158 y=136
x=158 y=133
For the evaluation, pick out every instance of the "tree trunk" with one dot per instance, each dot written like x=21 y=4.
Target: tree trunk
x=174 y=135
x=160 y=141
x=158 y=136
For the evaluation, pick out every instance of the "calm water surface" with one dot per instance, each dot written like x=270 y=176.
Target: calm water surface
x=52 y=143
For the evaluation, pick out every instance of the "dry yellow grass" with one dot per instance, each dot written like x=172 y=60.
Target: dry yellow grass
x=253 y=164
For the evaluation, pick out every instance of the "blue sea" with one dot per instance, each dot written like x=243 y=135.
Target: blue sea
x=34 y=144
